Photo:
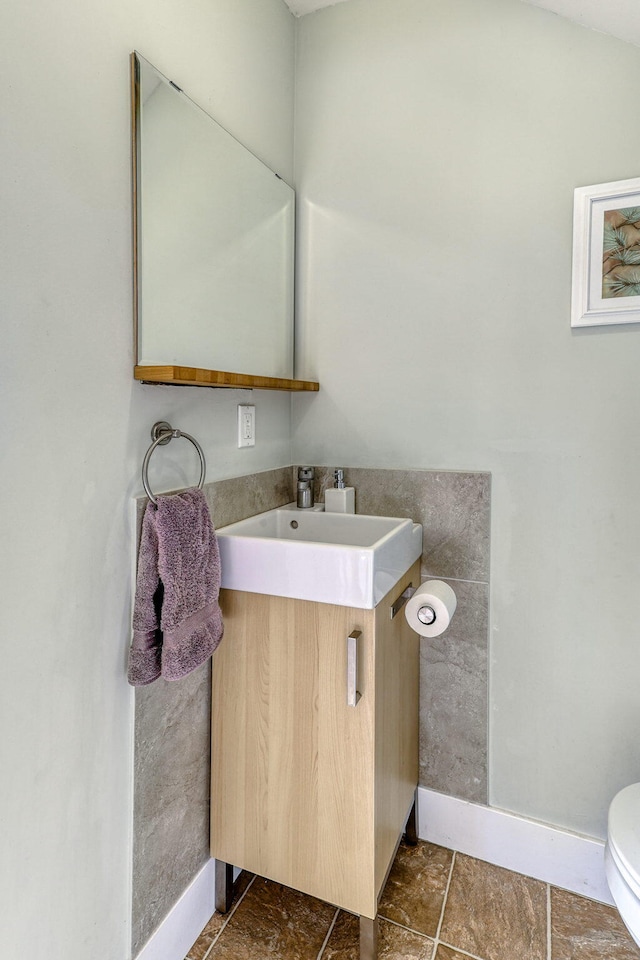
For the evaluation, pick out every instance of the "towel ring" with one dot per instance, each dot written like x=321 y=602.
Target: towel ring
x=161 y=433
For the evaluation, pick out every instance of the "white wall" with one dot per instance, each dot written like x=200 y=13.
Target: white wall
x=75 y=426
x=437 y=149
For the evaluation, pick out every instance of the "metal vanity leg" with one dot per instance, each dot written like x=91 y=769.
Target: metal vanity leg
x=224 y=886
x=368 y=938
x=411 y=829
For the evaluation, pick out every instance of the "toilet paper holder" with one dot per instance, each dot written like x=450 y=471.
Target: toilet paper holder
x=398 y=604
x=426 y=614
x=430 y=608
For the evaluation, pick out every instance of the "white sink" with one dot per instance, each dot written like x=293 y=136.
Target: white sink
x=349 y=559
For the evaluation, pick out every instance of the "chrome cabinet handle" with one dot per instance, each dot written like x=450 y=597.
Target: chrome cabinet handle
x=353 y=694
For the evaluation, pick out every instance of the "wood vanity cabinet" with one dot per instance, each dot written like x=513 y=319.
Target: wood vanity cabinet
x=307 y=790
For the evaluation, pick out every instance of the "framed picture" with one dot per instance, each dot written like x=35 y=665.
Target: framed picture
x=606 y=254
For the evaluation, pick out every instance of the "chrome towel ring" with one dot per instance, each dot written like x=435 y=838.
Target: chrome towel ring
x=161 y=433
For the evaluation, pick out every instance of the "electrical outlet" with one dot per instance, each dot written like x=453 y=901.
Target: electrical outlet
x=246 y=425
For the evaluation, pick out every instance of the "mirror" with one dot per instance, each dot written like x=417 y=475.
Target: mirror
x=214 y=241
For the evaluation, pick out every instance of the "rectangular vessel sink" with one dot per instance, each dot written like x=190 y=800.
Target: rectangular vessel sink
x=349 y=559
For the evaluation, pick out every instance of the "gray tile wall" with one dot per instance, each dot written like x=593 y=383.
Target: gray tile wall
x=172 y=720
x=172 y=745
x=171 y=795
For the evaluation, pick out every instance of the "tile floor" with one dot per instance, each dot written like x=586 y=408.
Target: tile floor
x=437 y=905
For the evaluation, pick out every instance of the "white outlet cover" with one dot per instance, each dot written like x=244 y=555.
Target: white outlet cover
x=246 y=425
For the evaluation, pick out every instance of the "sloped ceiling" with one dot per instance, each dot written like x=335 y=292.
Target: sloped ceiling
x=300 y=7
x=620 y=18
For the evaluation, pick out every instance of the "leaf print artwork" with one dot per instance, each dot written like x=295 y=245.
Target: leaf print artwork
x=621 y=253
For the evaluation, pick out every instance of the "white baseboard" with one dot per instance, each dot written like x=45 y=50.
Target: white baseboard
x=187 y=918
x=185 y=921
x=563 y=859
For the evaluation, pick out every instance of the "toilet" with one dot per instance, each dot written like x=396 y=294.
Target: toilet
x=622 y=856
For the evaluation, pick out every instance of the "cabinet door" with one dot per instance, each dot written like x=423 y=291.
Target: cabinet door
x=293 y=778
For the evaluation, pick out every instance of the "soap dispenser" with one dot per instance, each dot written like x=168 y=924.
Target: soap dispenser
x=339 y=499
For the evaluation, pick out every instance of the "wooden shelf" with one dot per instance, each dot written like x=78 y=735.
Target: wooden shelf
x=196 y=377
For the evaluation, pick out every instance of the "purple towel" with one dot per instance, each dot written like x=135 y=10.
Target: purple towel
x=177 y=622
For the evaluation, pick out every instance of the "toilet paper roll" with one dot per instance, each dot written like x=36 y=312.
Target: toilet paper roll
x=430 y=609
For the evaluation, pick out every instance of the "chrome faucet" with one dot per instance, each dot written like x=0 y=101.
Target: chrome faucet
x=306 y=476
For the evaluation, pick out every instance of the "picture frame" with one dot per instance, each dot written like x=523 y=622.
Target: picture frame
x=606 y=254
